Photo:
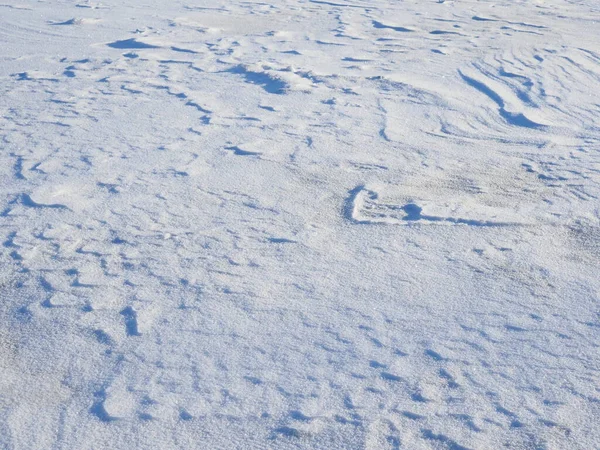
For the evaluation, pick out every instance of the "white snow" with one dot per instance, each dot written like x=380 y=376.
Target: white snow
x=345 y=224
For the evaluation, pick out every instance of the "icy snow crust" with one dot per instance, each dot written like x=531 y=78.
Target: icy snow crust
x=346 y=224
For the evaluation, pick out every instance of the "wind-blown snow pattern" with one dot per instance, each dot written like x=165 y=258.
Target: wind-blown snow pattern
x=345 y=224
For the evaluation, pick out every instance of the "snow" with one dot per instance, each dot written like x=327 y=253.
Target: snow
x=348 y=224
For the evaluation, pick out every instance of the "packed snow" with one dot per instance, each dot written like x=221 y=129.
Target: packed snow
x=310 y=224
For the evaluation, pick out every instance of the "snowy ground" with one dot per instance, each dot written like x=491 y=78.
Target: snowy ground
x=311 y=224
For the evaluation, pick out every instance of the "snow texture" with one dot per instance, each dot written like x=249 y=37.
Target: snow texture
x=300 y=224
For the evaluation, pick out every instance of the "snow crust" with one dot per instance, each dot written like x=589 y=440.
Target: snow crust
x=346 y=224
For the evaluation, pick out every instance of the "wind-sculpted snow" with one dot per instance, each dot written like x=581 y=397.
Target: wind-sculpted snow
x=347 y=224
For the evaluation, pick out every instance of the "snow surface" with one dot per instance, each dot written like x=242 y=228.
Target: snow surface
x=320 y=224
